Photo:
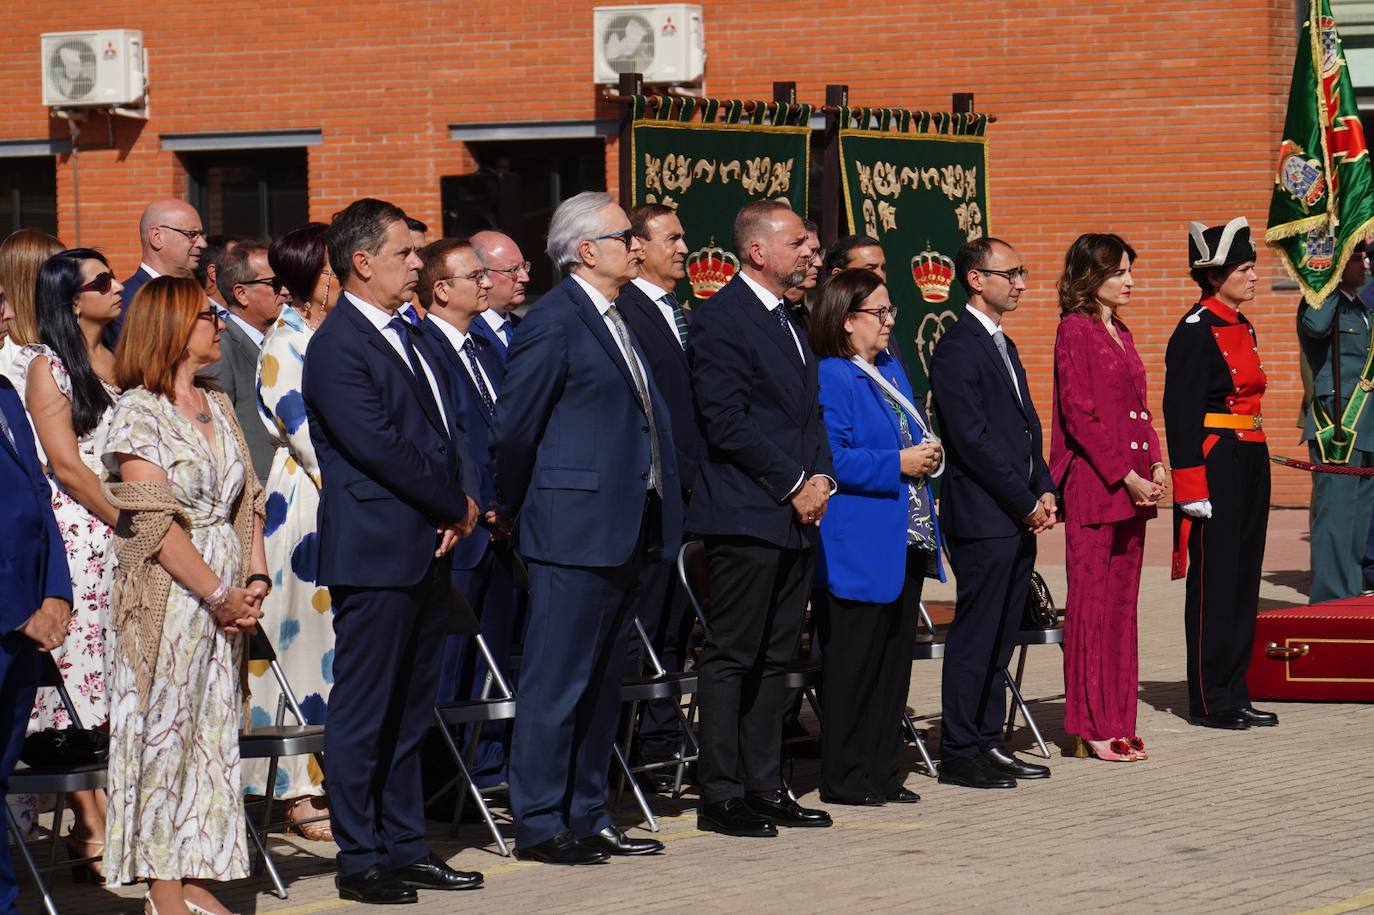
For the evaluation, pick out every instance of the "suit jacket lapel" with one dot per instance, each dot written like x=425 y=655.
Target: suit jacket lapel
x=597 y=325
x=669 y=334
x=419 y=385
x=990 y=348
x=761 y=316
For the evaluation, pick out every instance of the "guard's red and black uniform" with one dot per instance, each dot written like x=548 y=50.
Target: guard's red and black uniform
x=1213 y=382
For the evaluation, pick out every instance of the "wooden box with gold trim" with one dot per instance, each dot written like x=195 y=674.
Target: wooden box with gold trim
x=1321 y=653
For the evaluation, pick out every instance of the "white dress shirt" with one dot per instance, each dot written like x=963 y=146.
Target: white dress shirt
x=656 y=296
x=603 y=305
x=253 y=333
x=152 y=274
x=380 y=319
x=496 y=321
x=995 y=330
x=770 y=302
x=458 y=338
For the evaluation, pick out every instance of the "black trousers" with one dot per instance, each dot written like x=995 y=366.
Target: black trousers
x=993 y=578
x=867 y=663
x=662 y=608
x=1224 y=557
x=758 y=599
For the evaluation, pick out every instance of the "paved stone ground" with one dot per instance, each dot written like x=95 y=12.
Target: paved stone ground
x=1272 y=820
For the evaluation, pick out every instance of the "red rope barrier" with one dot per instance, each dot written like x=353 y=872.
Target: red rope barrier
x=1322 y=468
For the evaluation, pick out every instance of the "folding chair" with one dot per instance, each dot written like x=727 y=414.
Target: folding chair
x=932 y=649
x=489 y=706
x=272 y=743
x=1024 y=640
x=58 y=780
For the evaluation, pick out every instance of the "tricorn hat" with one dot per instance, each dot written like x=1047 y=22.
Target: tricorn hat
x=1219 y=246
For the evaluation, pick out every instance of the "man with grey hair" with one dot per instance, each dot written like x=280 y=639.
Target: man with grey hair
x=762 y=487
x=583 y=454
x=509 y=273
x=171 y=240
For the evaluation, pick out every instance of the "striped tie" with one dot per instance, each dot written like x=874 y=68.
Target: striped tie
x=679 y=317
x=470 y=350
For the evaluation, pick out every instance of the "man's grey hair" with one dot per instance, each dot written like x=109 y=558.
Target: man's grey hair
x=576 y=220
x=235 y=269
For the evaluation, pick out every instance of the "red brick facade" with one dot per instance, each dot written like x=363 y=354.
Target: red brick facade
x=1133 y=119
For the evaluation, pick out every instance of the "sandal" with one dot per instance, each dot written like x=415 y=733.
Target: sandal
x=1114 y=750
x=86 y=857
x=317 y=831
x=1137 y=747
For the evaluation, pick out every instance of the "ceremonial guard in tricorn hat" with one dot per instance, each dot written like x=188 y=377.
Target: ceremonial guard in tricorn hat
x=1213 y=382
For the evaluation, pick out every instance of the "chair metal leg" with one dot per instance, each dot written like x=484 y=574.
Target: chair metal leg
x=910 y=728
x=59 y=808
x=630 y=722
x=1025 y=710
x=1011 y=711
x=634 y=786
x=476 y=793
x=279 y=888
x=49 y=907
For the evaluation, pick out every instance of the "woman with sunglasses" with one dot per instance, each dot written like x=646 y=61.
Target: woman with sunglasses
x=69 y=391
x=298 y=608
x=879 y=539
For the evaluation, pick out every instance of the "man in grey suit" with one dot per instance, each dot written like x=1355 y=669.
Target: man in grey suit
x=250 y=290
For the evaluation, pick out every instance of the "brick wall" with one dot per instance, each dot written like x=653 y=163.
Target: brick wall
x=1133 y=119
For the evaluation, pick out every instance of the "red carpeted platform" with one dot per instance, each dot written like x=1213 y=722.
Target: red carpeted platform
x=1322 y=652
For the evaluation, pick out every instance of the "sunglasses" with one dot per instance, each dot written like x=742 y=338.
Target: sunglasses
x=625 y=236
x=101 y=284
x=275 y=282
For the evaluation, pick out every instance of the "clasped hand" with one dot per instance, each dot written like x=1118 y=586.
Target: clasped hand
x=810 y=501
x=48 y=625
x=241 y=609
x=1042 y=519
x=1145 y=493
x=450 y=535
x=921 y=460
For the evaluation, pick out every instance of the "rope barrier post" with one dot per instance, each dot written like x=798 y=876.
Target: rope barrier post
x=631 y=84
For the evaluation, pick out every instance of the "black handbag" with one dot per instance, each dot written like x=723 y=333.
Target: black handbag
x=65 y=748
x=1040 y=612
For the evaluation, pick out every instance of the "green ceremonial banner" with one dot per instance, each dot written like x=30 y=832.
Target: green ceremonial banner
x=922 y=196
x=707 y=172
x=1323 y=200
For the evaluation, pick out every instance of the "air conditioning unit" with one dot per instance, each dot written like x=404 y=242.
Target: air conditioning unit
x=666 y=43
x=102 y=69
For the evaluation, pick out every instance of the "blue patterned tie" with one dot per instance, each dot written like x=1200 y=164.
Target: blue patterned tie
x=470 y=350
x=780 y=312
x=679 y=317
x=411 y=314
x=507 y=332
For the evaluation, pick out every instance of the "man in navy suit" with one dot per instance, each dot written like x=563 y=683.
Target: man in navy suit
x=171 y=239
x=762 y=488
x=509 y=272
x=35 y=591
x=997 y=496
x=660 y=327
x=453 y=290
x=584 y=461
x=389 y=443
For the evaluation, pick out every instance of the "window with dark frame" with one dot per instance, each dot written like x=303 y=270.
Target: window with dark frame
x=28 y=194
x=260 y=193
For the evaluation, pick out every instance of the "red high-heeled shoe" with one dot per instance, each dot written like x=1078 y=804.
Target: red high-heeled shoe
x=1116 y=750
x=1137 y=747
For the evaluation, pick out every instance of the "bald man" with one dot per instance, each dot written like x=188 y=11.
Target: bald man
x=509 y=272
x=172 y=239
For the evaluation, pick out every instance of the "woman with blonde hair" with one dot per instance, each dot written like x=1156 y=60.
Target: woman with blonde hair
x=21 y=254
x=192 y=575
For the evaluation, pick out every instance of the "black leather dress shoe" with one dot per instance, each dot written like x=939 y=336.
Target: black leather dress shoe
x=614 y=842
x=1228 y=720
x=733 y=818
x=431 y=873
x=902 y=796
x=655 y=782
x=973 y=772
x=867 y=800
x=561 y=849
x=778 y=808
x=1002 y=761
x=1257 y=719
x=374 y=886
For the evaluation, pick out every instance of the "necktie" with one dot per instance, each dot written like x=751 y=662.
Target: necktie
x=5 y=428
x=1001 y=341
x=623 y=332
x=470 y=350
x=403 y=330
x=411 y=314
x=507 y=331
x=780 y=312
x=679 y=318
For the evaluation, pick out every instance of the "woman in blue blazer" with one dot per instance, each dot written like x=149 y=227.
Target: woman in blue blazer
x=879 y=539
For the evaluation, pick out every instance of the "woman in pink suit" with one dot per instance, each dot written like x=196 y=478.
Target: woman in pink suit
x=1105 y=457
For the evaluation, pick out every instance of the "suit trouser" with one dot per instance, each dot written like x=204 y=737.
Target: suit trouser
x=1225 y=553
x=569 y=698
x=867 y=664
x=662 y=608
x=1340 y=515
x=18 y=685
x=758 y=599
x=387 y=648
x=992 y=575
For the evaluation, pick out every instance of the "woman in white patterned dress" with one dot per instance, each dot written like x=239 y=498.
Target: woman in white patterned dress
x=69 y=393
x=191 y=578
x=298 y=613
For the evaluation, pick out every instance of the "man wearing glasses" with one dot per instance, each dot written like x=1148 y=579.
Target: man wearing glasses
x=172 y=239
x=584 y=460
x=509 y=273
x=997 y=496
x=251 y=291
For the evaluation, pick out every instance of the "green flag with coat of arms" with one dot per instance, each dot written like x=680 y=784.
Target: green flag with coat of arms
x=1323 y=200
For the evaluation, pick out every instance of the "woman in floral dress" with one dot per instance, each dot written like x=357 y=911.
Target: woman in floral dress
x=69 y=393
x=190 y=581
x=297 y=613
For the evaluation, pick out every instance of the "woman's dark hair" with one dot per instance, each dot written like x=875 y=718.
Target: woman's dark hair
x=54 y=308
x=1090 y=262
x=297 y=259
x=840 y=294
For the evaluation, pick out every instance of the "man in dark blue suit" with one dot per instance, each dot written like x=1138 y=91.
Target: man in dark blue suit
x=389 y=442
x=997 y=496
x=584 y=462
x=509 y=272
x=171 y=240
x=35 y=591
x=763 y=485
x=660 y=326
x=453 y=290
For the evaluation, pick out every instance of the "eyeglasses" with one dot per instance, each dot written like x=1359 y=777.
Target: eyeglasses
x=475 y=276
x=512 y=272
x=882 y=314
x=191 y=234
x=101 y=284
x=212 y=315
x=625 y=235
x=1010 y=276
x=275 y=282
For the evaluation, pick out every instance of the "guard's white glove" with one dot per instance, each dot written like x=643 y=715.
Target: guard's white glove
x=1199 y=509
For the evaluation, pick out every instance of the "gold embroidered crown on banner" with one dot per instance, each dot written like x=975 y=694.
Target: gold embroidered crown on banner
x=709 y=269
x=933 y=272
